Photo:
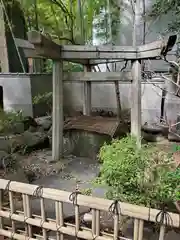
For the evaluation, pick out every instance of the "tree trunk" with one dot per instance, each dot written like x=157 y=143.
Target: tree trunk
x=113 y=65
x=19 y=30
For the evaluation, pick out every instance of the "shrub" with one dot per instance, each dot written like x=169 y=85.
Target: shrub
x=139 y=176
x=44 y=98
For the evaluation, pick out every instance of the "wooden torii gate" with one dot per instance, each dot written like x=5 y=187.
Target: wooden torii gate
x=40 y=46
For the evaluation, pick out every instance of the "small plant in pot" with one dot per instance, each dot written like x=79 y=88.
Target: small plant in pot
x=143 y=176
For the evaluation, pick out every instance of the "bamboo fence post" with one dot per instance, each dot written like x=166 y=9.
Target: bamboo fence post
x=12 y=209
x=116 y=226
x=136 y=229
x=59 y=218
x=141 y=228
x=25 y=213
x=1 y=204
x=43 y=217
x=77 y=220
x=93 y=222
x=29 y=215
x=97 y=223
x=162 y=232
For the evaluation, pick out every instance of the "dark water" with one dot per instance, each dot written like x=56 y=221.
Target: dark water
x=79 y=171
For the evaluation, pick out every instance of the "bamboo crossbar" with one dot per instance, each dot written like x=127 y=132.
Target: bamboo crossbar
x=130 y=210
x=58 y=225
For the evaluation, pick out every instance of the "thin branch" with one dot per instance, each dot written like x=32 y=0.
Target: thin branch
x=69 y=40
x=64 y=9
x=107 y=66
x=155 y=85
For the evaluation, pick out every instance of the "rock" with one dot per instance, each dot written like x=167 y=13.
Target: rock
x=165 y=130
x=32 y=129
x=18 y=176
x=29 y=141
x=178 y=125
x=152 y=128
x=30 y=175
x=160 y=138
x=45 y=122
x=153 y=137
x=173 y=137
x=87 y=217
x=40 y=129
x=15 y=128
x=164 y=142
x=29 y=121
x=18 y=128
x=33 y=141
x=4 y=143
x=4 y=159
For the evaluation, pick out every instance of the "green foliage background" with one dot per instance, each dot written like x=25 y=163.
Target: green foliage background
x=163 y=7
x=65 y=20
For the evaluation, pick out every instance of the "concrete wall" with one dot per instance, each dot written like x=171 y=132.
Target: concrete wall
x=103 y=97
x=172 y=103
x=16 y=92
x=40 y=84
x=19 y=89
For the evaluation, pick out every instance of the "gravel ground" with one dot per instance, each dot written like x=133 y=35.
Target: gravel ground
x=40 y=164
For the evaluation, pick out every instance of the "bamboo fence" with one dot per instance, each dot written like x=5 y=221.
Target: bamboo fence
x=58 y=225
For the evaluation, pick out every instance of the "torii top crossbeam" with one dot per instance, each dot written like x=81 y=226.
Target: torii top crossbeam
x=44 y=47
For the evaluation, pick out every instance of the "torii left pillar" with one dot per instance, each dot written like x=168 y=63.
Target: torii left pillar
x=57 y=111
